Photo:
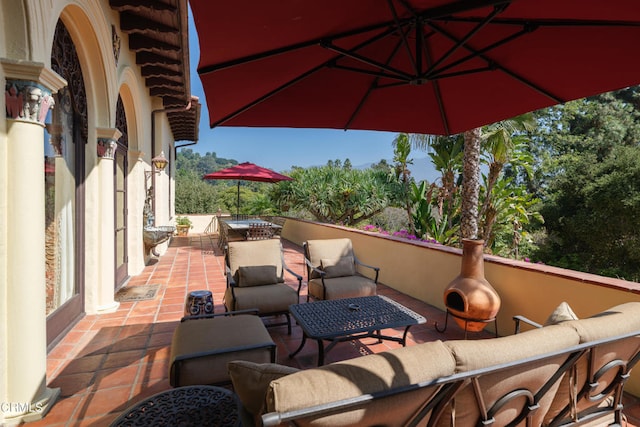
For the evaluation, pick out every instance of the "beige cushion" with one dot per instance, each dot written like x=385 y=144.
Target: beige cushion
x=266 y=298
x=477 y=354
x=250 y=381
x=255 y=252
x=618 y=320
x=207 y=345
x=562 y=313
x=257 y=275
x=343 y=287
x=320 y=249
x=367 y=374
x=338 y=267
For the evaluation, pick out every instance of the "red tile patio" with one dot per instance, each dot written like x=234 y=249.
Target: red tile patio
x=109 y=362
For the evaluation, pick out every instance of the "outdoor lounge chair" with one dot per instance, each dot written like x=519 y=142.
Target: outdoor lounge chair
x=332 y=270
x=255 y=279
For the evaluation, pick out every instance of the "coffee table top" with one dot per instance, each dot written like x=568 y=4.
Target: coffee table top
x=336 y=318
x=184 y=406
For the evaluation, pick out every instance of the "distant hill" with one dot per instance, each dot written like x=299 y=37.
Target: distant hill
x=421 y=169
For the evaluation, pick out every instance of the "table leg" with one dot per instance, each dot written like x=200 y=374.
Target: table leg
x=320 y=352
x=404 y=336
x=304 y=340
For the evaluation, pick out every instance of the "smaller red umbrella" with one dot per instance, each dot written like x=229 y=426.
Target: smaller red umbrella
x=248 y=172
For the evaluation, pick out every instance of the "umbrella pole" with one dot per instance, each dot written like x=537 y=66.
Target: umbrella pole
x=238 y=204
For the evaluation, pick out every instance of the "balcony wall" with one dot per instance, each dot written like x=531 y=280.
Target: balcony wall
x=423 y=270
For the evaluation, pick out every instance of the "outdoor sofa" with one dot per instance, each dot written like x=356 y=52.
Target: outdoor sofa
x=569 y=372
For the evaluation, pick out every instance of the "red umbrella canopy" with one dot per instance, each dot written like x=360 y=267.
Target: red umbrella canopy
x=248 y=172
x=422 y=66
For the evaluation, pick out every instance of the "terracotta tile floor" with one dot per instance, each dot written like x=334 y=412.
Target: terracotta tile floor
x=109 y=362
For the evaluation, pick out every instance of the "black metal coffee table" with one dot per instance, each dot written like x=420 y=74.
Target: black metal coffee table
x=350 y=318
x=197 y=405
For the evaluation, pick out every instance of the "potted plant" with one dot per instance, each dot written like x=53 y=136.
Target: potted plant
x=183 y=224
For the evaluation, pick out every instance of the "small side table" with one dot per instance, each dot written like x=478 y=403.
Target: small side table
x=198 y=303
x=185 y=407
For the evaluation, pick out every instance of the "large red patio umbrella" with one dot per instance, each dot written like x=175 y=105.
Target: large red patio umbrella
x=422 y=66
x=247 y=172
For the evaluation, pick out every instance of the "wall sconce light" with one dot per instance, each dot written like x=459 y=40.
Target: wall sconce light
x=160 y=162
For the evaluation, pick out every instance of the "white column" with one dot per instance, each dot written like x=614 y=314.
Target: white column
x=106 y=147
x=24 y=348
x=136 y=187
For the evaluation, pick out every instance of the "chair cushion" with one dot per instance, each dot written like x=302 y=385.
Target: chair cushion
x=250 y=381
x=343 y=287
x=338 y=267
x=257 y=275
x=562 y=313
x=320 y=249
x=267 y=298
x=255 y=252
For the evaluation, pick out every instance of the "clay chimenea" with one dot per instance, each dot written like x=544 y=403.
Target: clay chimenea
x=470 y=299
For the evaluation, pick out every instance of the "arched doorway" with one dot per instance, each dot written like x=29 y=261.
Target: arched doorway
x=120 y=188
x=64 y=145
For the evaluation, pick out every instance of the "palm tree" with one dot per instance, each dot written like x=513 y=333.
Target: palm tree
x=401 y=151
x=470 y=184
x=501 y=147
x=500 y=143
x=446 y=156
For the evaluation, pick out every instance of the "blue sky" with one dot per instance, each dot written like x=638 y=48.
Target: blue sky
x=281 y=148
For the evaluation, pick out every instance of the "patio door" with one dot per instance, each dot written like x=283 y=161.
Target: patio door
x=64 y=147
x=120 y=188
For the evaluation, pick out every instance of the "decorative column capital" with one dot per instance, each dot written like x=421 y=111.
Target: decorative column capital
x=107 y=142
x=28 y=90
x=27 y=101
x=106 y=148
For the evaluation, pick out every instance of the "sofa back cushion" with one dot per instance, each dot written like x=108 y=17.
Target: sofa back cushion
x=477 y=354
x=255 y=253
x=329 y=249
x=250 y=381
x=618 y=320
x=367 y=374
